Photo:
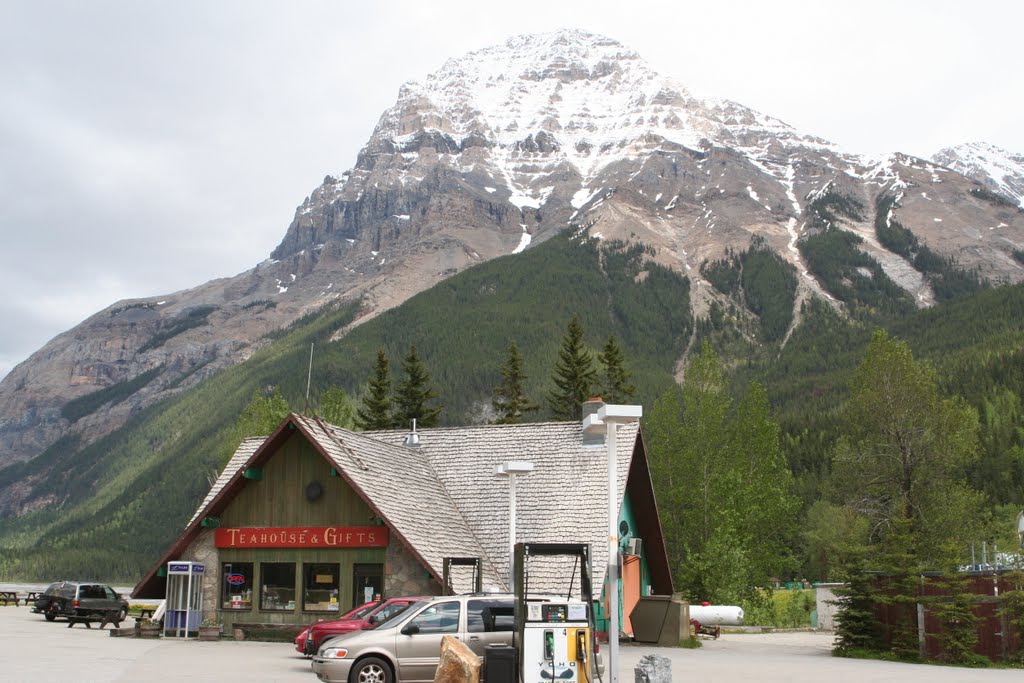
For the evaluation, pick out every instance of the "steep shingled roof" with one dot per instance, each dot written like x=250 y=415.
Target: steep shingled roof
x=400 y=484
x=443 y=498
x=564 y=499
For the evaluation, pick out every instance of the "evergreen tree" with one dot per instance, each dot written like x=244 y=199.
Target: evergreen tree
x=955 y=613
x=617 y=387
x=375 y=413
x=856 y=626
x=896 y=557
x=574 y=375
x=1012 y=609
x=510 y=402
x=414 y=394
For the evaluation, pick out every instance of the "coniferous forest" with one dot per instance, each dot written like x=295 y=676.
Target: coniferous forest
x=786 y=420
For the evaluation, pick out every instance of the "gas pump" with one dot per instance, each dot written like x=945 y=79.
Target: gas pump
x=555 y=637
x=556 y=642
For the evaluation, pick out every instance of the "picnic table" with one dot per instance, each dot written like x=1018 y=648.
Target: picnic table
x=31 y=597
x=9 y=596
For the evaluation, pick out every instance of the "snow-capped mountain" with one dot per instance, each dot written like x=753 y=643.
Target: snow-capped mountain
x=563 y=128
x=495 y=152
x=995 y=168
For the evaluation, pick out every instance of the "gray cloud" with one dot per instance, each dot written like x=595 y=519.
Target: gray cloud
x=145 y=148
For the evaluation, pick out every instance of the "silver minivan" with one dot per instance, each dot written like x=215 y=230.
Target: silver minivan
x=407 y=648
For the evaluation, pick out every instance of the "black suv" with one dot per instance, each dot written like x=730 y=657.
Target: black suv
x=80 y=600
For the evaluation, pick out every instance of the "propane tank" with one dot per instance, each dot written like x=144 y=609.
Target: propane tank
x=717 y=615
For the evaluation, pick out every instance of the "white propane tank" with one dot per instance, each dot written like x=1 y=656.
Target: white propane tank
x=717 y=615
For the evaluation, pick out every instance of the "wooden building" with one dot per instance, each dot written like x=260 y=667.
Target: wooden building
x=315 y=519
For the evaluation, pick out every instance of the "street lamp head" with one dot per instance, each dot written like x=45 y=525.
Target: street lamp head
x=513 y=467
x=619 y=413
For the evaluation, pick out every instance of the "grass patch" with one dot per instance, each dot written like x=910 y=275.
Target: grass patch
x=780 y=608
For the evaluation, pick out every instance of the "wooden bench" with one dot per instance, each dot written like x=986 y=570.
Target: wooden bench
x=145 y=613
x=112 y=616
x=9 y=596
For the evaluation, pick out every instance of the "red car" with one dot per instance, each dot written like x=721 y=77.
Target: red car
x=322 y=630
x=357 y=613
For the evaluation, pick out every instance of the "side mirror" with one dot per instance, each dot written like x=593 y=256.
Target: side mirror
x=410 y=630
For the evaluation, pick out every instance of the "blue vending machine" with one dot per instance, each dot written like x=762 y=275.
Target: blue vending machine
x=184 y=599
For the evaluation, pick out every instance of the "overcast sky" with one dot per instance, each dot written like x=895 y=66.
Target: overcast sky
x=150 y=147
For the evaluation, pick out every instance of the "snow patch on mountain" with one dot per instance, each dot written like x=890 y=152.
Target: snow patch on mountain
x=572 y=97
x=999 y=170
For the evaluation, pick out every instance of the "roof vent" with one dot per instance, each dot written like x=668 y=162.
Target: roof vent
x=412 y=439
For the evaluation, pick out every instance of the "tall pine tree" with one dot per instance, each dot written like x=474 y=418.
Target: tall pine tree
x=617 y=387
x=574 y=375
x=375 y=413
x=414 y=394
x=510 y=402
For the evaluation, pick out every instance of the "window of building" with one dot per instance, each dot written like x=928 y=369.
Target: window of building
x=236 y=586
x=277 y=586
x=320 y=585
x=440 y=618
x=485 y=616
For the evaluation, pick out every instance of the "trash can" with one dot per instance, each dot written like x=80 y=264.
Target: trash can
x=500 y=664
x=648 y=616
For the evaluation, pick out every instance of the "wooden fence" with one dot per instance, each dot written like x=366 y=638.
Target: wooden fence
x=997 y=638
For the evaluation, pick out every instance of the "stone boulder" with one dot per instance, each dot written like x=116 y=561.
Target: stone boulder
x=458 y=663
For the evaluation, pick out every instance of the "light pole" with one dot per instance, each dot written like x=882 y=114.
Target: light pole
x=511 y=469
x=610 y=416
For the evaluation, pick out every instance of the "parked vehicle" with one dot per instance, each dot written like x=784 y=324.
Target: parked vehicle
x=381 y=612
x=358 y=612
x=406 y=648
x=80 y=600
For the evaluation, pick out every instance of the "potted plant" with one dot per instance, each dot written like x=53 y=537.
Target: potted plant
x=147 y=628
x=210 y=629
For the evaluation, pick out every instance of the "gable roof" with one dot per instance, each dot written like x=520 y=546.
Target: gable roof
x=399 y=484
x=563 y=500
x=443 y=499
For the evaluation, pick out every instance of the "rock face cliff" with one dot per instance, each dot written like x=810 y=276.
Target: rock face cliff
x=500 y=149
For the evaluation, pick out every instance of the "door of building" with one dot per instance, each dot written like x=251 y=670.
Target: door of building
x=367 y=583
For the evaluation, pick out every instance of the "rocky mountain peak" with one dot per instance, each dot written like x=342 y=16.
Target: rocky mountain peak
x=581 y=98
x=999 y=170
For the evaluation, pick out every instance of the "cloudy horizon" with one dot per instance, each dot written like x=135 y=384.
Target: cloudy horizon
x=152 y=148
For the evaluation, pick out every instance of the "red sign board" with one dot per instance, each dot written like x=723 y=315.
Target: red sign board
x=303 y=537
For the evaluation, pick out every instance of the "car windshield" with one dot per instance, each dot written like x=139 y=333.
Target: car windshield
x=395 y=616
x=361 y=612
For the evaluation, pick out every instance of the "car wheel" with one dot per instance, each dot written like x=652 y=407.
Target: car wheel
x=371 y=670
x=123 y=614
x=51 y=612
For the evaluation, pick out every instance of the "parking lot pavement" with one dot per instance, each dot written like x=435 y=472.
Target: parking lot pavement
x=34 y=650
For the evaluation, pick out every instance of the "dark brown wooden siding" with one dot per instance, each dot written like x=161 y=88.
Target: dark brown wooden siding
x=279 y=500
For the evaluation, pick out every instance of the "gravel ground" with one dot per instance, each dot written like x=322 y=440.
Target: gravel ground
x=37 y=651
